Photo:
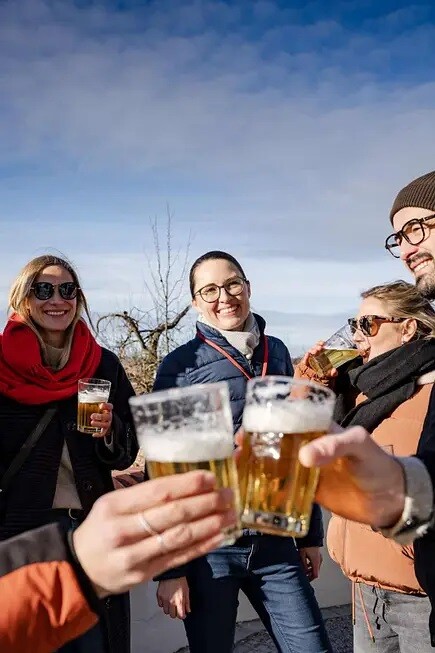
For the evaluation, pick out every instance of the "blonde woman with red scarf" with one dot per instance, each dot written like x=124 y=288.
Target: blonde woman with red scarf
x=46 y=347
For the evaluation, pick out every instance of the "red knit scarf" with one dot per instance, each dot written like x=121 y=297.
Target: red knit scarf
x=25 y=378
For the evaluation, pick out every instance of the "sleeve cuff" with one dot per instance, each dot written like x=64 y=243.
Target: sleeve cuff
x=85 y=583
x=418 y=512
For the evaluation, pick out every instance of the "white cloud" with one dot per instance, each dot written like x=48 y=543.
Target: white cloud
x=284 y=145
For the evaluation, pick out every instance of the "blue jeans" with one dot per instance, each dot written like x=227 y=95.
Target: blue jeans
x=398 y=622
x=268 y=570
x=93 y=640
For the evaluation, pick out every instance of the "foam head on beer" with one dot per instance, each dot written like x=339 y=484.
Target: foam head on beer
x=92 y=397
x=188 y=447
x=294 y=416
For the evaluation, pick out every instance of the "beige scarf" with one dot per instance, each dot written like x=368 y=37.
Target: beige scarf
x=244 y=341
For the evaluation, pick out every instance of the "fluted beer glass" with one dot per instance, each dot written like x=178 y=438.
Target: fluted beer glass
x=281 y=414
x=185 y=429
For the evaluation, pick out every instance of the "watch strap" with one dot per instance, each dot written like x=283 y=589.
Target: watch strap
x=418 y=511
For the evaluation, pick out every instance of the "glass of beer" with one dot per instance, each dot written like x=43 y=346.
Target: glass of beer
x=184 y=429
x=91 y=393
x=338 y=349
x=281 y=414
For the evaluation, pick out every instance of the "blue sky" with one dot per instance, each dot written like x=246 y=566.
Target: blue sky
x=278 y=131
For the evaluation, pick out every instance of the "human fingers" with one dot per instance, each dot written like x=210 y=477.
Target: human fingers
x=324 y=450
x=241 y=447
x=304 y=561
x=133 y=527
x=238 y=438
x=172 y=611
x=180 y=606
x=160 y=491
x=317 y=348
x=176 y=539
x=114 y=568
x=315 y=558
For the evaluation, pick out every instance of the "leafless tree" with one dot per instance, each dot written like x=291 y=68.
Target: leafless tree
x=142 y=337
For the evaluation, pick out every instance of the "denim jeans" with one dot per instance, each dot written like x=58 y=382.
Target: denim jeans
x=399 y=622
x=93 y=640
x=267 y=569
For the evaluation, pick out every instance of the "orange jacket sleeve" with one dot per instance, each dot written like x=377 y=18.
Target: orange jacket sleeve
x=46 y=600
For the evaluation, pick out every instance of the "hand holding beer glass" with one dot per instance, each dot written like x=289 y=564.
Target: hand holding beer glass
x=185 y=429
x=336 y=351
x=281 y=414
x=91 y=394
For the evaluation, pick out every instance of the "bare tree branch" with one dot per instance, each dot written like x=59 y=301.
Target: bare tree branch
x=142 y=337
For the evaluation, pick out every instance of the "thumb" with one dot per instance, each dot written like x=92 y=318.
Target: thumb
x=324 y=450
x=238 y=438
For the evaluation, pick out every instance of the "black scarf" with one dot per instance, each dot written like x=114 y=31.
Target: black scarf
x=387 y=381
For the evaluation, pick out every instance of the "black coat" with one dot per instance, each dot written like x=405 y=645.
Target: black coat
x=424 y=548
x=29 y=498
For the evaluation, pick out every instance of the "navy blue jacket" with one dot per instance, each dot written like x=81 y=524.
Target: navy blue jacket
x=197 y=362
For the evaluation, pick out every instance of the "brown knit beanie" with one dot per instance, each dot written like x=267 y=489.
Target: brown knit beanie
x=419 y=193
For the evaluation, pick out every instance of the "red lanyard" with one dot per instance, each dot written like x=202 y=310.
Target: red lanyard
x=233 y=361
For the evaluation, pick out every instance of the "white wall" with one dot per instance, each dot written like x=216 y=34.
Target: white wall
x=154 y=632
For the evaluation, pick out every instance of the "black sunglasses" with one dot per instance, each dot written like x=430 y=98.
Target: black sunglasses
x=369 y=324
x=44 y=290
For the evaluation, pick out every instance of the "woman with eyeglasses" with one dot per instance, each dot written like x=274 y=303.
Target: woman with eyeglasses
x=231 y=345
x=389 y=395
x=45 y=348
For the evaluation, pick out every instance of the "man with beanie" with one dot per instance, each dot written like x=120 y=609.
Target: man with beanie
x=413 y=219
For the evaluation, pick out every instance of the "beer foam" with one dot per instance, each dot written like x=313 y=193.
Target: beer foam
x=185 y=446
x=90 y=397
x=288 y=417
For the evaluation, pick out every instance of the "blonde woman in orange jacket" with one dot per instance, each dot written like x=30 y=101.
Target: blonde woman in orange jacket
x=389 y=394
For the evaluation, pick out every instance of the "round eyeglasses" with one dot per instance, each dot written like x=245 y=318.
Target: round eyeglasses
x=212 y=292
x=414 y=232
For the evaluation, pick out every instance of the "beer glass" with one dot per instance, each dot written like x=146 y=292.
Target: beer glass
x=339 y=349
x=184 y=429
x=281 y=414
x=91 y=393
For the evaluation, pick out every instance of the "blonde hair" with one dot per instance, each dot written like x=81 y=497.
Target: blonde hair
x=404 y=300
x=22 y=287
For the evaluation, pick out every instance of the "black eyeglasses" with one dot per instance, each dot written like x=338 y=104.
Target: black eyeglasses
x=369 y=324
x=414 y=232
x=212 y=291
x=44 y=290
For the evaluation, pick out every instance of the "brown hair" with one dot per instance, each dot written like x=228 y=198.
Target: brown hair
x=21 y=289
x=404 y=300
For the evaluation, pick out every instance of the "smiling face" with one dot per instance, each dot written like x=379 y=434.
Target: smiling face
x=52 y=316
x=419 y=259
x=389 y=335
x=229 y=312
